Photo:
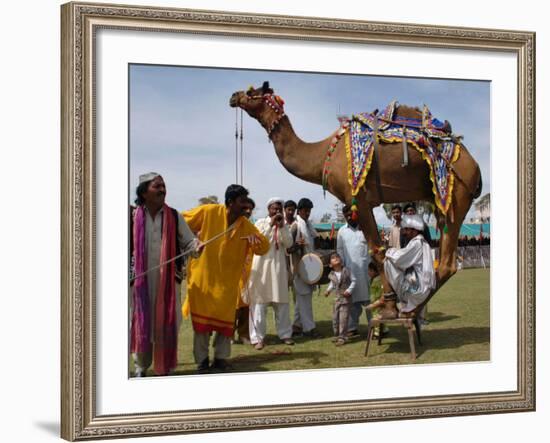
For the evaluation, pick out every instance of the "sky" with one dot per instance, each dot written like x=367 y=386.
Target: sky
x=182 y=127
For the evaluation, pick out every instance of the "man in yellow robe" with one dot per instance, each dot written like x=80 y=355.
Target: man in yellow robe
x=215 y=278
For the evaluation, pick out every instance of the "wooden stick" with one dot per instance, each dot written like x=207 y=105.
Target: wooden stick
x=184 y=253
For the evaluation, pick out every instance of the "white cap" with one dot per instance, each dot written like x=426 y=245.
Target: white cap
x=148 y=177
x=275 y=200
x=413 y=221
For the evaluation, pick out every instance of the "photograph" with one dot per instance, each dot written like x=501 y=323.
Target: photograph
x=274 y=221
x=284 y=221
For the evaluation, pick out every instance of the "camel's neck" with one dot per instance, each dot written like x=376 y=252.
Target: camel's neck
x=304 y=160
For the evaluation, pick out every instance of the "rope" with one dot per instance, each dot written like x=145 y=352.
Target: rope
x=236 y=145
x=184 y=253
x=241 y=147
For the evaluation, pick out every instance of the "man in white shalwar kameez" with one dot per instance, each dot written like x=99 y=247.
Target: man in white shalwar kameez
x=354 y=251
x=410 y=271
x=268 y=283
x=305 y=237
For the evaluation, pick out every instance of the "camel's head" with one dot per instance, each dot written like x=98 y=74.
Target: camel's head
x=261 y=104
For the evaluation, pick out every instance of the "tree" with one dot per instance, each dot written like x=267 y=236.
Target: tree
x=211 y=199
x=325 y=218
x=483 y=206
x=339 y=214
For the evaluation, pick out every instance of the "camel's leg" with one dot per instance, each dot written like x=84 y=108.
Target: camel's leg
x=466 y=184
x=462 y=200
x=447 y=252
x=368 y=225
x=370 y=230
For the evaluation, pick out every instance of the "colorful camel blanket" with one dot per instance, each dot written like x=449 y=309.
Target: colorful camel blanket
x=427 y=135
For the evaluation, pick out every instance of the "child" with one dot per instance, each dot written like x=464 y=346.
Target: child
x=342 y=282
x=375 y=282
x=376 y=291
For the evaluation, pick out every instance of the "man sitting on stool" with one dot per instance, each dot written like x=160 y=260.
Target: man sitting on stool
x=410 y=271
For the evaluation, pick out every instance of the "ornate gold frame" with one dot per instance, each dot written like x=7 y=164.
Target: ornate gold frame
x=80 y=21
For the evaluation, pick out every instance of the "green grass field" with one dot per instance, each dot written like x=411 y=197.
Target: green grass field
x=458 y=331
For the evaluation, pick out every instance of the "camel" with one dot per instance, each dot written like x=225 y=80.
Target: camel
x=387 y=181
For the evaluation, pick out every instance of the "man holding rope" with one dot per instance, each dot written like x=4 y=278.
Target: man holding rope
x=159 y=235
x=214 y=280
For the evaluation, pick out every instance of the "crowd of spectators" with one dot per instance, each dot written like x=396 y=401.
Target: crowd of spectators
x=466 y=240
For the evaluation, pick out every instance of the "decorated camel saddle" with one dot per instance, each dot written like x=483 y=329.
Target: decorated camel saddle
x=431 y=137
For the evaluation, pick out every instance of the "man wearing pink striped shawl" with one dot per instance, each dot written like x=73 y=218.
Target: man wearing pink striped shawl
x=159 y=233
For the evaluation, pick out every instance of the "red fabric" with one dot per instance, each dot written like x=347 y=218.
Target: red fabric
x=165 y=333
x=140 y=339
x=204 y=329
x=226 y=330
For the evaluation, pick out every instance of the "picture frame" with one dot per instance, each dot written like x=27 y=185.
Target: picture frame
x=80 y=178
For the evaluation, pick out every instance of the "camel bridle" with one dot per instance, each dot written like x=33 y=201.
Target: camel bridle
x=275 y=104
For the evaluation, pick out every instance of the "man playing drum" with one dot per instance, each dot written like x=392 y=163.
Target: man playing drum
x=305 y=237
x=268 y=284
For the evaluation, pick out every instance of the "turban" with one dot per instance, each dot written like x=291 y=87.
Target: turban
x=275 y=200
x=413 y=221
x=148 y=177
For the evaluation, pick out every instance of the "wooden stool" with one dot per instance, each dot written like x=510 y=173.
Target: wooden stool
x=406 y=322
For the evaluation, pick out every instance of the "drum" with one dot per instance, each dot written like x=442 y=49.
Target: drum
x=310 y=268
x=324 y=255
